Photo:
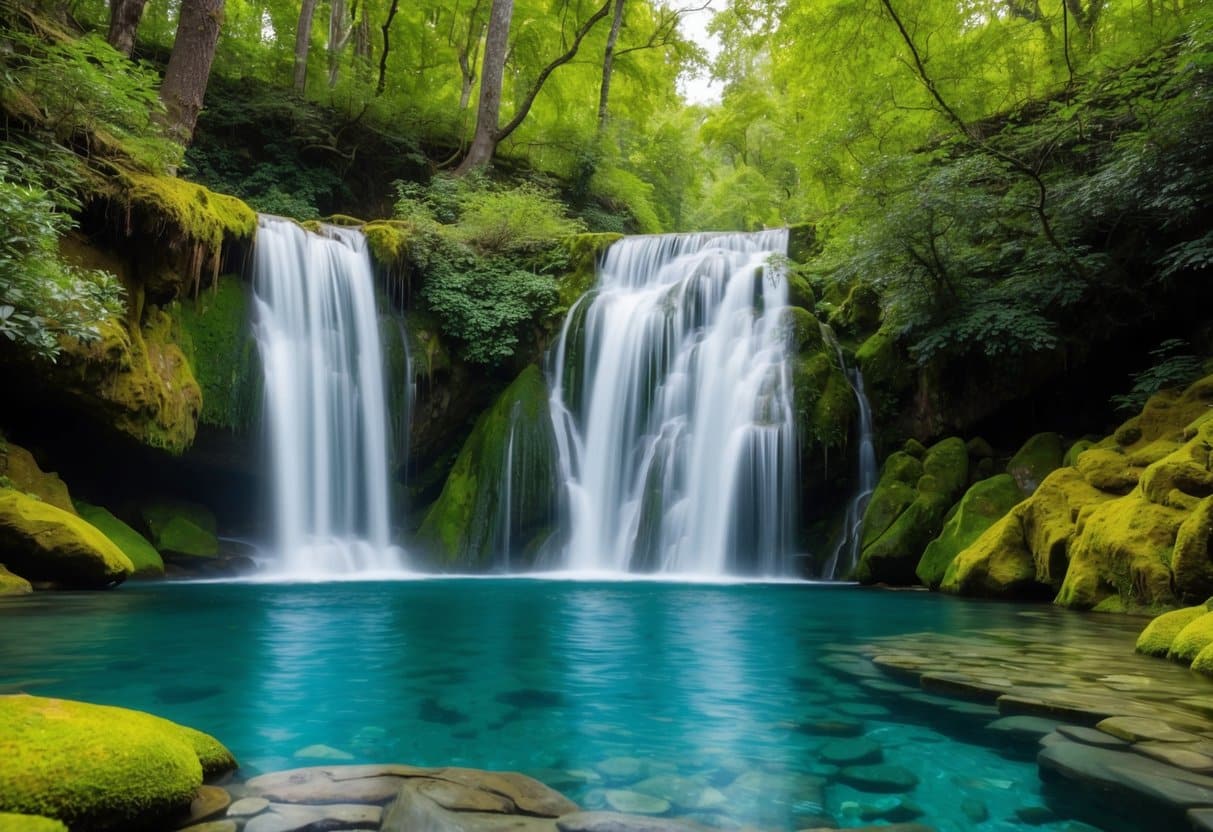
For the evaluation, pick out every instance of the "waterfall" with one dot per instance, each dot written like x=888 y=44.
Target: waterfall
x=317 y=330
x=672 y=401
x=846 y=552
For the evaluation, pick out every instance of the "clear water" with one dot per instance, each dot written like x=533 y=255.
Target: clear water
x=551 y=678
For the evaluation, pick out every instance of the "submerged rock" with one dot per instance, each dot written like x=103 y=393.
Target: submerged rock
x=97 y=767
x=44 y=543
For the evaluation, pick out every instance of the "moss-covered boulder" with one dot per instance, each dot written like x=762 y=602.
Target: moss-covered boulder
x=584 y=251
x=1074 y=451
x=1195 y=636
x=894 y=541
x=11 y=584
x=184 y=529
x=99 y=768
x=10 y=822
x=144 y=557
x=1158 y=636
x=1039 y=456
x=1129 y=526
x=19 y=470
x=136 y=380
x=44 y=543
x=468 y=526
x=885 y=368
x=982 y=505
x=214 y=331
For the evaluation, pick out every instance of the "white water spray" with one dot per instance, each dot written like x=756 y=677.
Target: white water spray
x=326 y=416
x=672 y=401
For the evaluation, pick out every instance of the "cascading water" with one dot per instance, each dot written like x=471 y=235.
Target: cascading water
x=846 y=553
x=672 y=401
x=317 y=331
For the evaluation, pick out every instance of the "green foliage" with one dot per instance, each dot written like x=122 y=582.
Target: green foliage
x=83 y=91
x=216 y=339
x=1174 y=367
x=42 y=298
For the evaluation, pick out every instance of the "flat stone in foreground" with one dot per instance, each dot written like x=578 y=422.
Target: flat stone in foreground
x=616 y=822
x=1125 y=771
x=286 y=817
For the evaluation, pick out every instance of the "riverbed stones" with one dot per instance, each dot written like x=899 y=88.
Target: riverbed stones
x=1135 y=729
x=687 y=794
x=850 y=752
x=616 y=822
x=1090 y=736
x=333 y=784
x=879 y=778
x=247 y=807
x=635 y=803
x=293 y=817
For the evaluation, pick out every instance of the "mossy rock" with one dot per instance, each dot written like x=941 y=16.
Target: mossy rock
x=144 y=557
x=803 y=242
x=996 y=565
x=1123 y=547
x=1191 y=561
x=860 y=311
x=1037 y=458
x=388 y=241
x=1158 y=636
x=894 y=492
x=181 y=528
x=979 y=448
x=136 y=380
x=1108 y=469
x=23 y=473
x=1203 y=663
x=947 y=464
x=196 y=212
x=982 y=505
x=1195 y=636
x=10 y=822
x=885 y=367
x=800 y=293
x=893 y=556
x=11 y=584
x=803 y=330
x=44 y=543
x=465 y=525
x=1075 y=450
x=914 y=448
x=584 y=252
x=97 y=767
x=215 y=335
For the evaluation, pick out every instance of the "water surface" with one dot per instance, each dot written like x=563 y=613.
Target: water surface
x=592 y=687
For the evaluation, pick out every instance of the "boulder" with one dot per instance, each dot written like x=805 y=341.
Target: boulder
x=1195 y=636
x=982 y=505
x=144 y=557
x=44 y=543
x=100 y=768
x=10 y=822
x=1158 y=636
x=184 y=529
x=21 y=469
x=901 y=519
x=1039 y=456
x=11 y=584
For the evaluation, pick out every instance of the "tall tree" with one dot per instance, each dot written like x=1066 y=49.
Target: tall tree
x=608 y=64
x=488 y=134
x=189 y=66
x=124 y=22
x=303 y=42
x=387 y=48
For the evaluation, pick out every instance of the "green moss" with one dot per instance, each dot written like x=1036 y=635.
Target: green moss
x=135 y=380
x=181 y=528
x=216 y=338
x=143 y=556
x=1108 y=469
x=1191 y=564
x=23 y=473
x=803 y=331
x=465 y=525
x=1195 y=636
x=998 y=564
x=947 y=463
x=44 y=543
x=1158 y=636
x=860 y=311
x=1203 y=663
x=212 y=755
x=983 y=504
x=584 y=251
x=1073 y=452
x=800 y=293
x=10 y=822
x=892 y=557
x=1123 y=547
x=1040 y=455
x=979 y=448
x=803 y=244
x=196 y=212
x=94 y=767
x=388 y=241
x=11 y=584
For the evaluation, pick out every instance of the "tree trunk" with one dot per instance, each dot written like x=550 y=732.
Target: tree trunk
x=189 y=66
x=303 y=42
x=608 y=65
x=124 y=22
x=387 y=46
x=362 y=46
x=339 y=35
x=496 y=44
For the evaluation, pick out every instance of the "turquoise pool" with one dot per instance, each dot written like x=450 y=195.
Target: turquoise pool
x=701 y=700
